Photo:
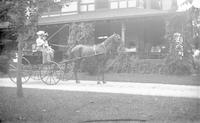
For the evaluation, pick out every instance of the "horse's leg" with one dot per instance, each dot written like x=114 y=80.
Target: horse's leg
x=76 y=67
x=98 y=73
x=103 y=77
x=103 y=71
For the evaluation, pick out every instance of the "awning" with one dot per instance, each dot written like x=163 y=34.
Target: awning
x=60 y=18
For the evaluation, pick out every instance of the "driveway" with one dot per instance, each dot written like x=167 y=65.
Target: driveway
x=147 y=89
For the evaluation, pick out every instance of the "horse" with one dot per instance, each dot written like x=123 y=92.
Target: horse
x=100 y=51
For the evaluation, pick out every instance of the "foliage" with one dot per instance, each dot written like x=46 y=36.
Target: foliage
x=178 y=66
x=4 y=63
x=195 y=22
x=120 y=64
x=188 y=25
x=23 y=18
x=127 y=63
x=82 y=33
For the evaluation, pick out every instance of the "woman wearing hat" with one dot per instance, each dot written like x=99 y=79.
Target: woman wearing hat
x=43 y=46
x=41 y=41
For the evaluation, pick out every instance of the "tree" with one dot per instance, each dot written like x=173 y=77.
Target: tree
x=187 y=24
x=82 y=33
x=23 y=16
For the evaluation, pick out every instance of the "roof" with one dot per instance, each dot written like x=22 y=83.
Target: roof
x=60 y=18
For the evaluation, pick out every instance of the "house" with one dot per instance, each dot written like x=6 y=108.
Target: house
x=141 y=23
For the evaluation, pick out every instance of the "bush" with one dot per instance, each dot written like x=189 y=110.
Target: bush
x=131 y=64
x=120 y=64
x=4 y=64
x=179 y=66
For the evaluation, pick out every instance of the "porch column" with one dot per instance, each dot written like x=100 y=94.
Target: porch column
x=123 y=31
x=148 y=4
x=78 y=6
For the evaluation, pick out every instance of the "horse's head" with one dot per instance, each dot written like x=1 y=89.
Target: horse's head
x=116 y=38
x=114 y=43
x=118 y=42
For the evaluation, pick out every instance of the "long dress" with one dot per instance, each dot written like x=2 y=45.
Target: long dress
x=47 y=51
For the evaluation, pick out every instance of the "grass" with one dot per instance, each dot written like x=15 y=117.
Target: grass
x=44 y=106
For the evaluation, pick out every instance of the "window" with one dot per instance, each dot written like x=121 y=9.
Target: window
x=123 y=4
x=91 y=7
x=102 y=4
x=87 y=1
x=70 y=7
x=114 y=4
x=83 y=8
x=87 y=5
x=132 y=3
x=56 y=1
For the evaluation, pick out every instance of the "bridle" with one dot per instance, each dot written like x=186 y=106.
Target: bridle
x=104 y=45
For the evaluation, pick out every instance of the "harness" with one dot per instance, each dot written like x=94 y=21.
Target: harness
x=104 y=46
x=94 y=48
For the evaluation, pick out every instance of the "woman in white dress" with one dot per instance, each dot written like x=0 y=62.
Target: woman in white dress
x=43 y=46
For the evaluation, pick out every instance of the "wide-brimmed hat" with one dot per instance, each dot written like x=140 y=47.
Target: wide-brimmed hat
x=42 y=33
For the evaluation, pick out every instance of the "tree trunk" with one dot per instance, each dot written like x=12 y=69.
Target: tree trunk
x=19 y=68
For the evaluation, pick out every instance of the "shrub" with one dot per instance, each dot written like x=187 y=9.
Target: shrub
x=179 y=66
x=4 y=63
x=119 y=64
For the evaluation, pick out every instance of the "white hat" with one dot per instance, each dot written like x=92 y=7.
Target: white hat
x=42 y=33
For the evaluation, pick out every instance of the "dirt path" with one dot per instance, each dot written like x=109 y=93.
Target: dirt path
x=147 y=89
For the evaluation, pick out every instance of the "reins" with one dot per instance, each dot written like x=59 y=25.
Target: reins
x=94 y=48
x=57 y=45
x=104 y=46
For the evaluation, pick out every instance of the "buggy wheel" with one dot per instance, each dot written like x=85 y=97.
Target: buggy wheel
x=26 y=71
x=50 y=73
x=67 y=69
x=36 y=72
x=12 y=72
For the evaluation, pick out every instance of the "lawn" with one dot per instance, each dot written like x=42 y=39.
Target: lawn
x=44 y=106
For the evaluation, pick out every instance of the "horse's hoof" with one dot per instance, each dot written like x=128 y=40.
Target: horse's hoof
x=77 y=82
x=98 y=82
x=104 y=82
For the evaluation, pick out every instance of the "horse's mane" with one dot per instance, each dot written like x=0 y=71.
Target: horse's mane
x=109 y=39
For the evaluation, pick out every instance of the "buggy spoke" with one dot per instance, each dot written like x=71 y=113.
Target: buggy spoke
x=51 y=73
